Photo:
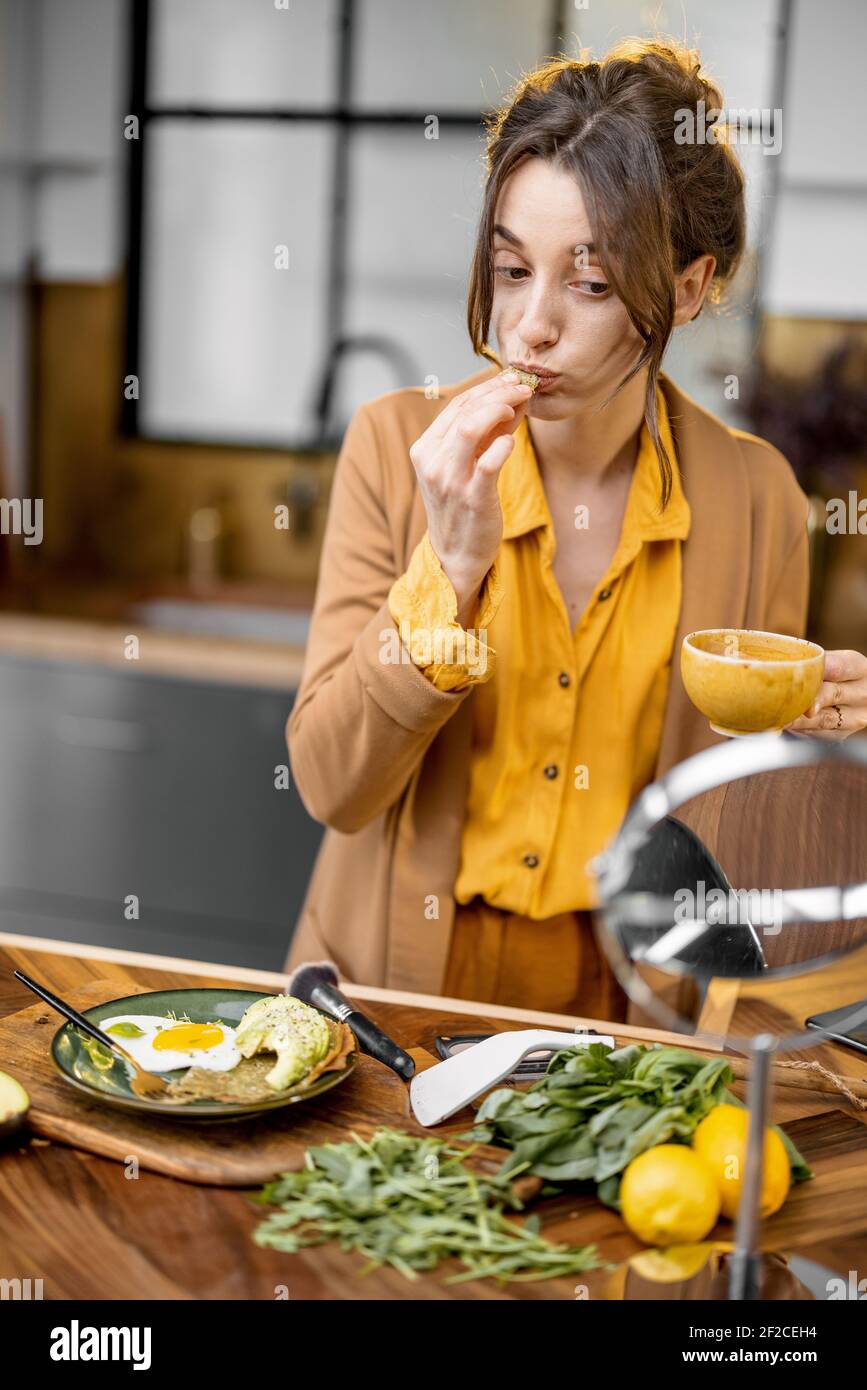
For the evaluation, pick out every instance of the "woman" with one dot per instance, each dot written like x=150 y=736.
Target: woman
x=506 y=573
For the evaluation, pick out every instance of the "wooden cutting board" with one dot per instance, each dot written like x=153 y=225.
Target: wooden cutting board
x=248 y=1152
x=238 y=1153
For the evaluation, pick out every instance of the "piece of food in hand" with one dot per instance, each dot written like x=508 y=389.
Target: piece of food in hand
x=668 y=1196
x=14 y=1104
x=297 y=1033
x=721 y=1140
x=528 y=378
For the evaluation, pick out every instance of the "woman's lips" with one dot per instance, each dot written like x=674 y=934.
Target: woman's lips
x=546 y=379
x=545 y=382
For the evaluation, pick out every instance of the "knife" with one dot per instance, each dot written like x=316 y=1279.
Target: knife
x=441 y=1091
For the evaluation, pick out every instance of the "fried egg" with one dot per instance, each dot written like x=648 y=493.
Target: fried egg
x=165 y=1044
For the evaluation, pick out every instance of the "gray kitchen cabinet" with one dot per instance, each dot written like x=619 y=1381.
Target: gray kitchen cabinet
x=115 y=784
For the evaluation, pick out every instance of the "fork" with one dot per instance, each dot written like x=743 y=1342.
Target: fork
x=144 y=1084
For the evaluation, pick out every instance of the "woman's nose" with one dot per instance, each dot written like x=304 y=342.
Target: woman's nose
x=536 y=327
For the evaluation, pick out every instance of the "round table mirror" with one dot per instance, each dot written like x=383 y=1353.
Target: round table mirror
x=736 y=883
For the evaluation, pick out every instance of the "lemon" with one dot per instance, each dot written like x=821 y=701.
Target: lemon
x=676 y=1263
x=721 y=1140
x=668 y=1196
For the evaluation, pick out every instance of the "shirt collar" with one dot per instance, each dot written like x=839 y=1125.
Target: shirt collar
x=525 y=505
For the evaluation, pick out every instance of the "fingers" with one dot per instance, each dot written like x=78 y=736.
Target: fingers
x=845 y=666
x=839 y=693
x=489 y=464
x=840 y=708
x=498 y=387
x=833 y=722
x=852 y=693
x=474 y=431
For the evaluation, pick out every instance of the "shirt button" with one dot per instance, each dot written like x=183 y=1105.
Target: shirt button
x=551 y=771
x=604 y=594
x=564 y=678
x=531 y=860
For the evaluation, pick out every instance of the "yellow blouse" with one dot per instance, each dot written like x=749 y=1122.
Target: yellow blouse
x=568 y=733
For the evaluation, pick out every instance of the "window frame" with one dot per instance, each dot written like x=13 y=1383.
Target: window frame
x=344 y=118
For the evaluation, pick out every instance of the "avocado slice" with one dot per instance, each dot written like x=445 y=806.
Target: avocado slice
x=298 y=1034
x=14 y=1104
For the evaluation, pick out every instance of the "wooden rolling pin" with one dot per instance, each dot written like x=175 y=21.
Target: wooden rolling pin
x=809 y=1076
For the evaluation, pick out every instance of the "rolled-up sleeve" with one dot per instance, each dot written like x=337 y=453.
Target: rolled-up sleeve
x=424 y=606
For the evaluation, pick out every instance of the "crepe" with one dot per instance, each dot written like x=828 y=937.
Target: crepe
x=246 y=1082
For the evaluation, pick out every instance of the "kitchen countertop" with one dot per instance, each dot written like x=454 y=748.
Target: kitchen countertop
x=157 y=1238
x=235 y=661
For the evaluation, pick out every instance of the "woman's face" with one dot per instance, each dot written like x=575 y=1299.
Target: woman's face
x=553 y=306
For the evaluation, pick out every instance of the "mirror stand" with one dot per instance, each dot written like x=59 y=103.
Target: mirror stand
x=745 y=1279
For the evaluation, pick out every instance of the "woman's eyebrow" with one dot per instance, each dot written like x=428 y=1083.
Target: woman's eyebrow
x=507 y=235
x=588 y=246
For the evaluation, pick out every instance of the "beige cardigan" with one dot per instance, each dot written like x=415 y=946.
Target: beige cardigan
x=381 y=757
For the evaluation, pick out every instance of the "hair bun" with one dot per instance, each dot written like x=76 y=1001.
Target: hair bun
x=679 y=68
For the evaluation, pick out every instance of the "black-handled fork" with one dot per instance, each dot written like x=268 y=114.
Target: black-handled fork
x=142 y=1083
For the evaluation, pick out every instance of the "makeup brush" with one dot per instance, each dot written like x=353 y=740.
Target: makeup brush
x=315 y=982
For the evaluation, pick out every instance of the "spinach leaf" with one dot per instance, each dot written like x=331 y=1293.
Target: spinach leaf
x=596 y=1108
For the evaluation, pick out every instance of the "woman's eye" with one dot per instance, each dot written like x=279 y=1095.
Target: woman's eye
x=594 y=287
x=508 y=271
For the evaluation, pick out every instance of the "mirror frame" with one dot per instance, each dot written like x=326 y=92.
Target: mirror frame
x=704 y=771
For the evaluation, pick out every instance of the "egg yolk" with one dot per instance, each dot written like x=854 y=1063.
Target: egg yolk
x=188 y=1037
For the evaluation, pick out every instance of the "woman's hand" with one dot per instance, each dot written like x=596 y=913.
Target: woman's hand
x=457 y=461
x=840 y=708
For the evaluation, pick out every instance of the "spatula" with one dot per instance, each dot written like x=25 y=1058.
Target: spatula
x=441 y=1091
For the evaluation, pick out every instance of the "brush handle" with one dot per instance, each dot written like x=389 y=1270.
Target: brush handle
x=379 y=1045
x=371 y=1038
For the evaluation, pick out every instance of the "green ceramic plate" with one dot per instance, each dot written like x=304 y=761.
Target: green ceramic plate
x=87 y=1065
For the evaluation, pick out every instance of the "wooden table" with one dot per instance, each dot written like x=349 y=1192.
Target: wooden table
x=75 y=1221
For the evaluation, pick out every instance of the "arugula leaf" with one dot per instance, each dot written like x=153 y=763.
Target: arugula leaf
x=411 y=1202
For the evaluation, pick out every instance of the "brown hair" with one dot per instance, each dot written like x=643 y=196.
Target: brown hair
x=654 y=204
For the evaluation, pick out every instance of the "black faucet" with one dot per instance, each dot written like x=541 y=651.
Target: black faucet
x=328 y=438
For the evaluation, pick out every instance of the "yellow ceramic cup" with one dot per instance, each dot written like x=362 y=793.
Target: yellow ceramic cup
x=750 y=682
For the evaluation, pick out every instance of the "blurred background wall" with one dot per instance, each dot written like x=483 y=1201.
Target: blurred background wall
x=223 y=225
